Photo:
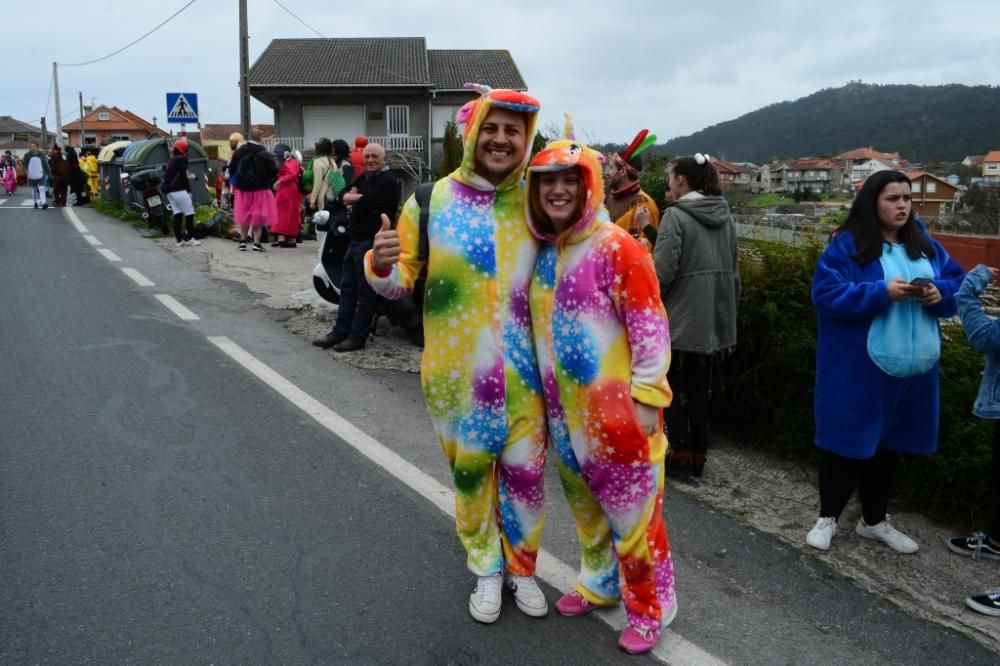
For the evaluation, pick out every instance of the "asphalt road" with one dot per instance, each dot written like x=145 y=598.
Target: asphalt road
x=159 y=504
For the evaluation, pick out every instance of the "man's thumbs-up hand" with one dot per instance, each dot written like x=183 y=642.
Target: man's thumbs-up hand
x=385 y=251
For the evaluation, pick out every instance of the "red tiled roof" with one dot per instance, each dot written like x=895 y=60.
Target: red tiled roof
x=119 y=119
x=867 y=154
x=992 y=156
x=811 y=163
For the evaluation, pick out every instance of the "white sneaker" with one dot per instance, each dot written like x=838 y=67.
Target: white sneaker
x=193 y=242
x=822 y=533
x=888 y=535
x=181 y=243
x=484 y=604
x=527 y=595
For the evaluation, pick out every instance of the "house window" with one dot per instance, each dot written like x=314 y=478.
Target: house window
x=915 y=187
x=441 y=116
x=120 y=137
x=931 y=186
x=397 y=119
x=104 y=115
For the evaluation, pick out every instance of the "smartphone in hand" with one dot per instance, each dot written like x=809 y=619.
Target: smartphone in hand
x=921 y=282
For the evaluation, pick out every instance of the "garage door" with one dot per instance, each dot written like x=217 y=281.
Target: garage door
x=343 y=121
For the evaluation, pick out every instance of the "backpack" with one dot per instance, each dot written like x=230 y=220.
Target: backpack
x=335 y=178
x=306 y=178
x=254 y=171
x=422 y=195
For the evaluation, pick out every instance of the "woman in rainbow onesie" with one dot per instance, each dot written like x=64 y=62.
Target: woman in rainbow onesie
x=479 y=374
x=603 y=348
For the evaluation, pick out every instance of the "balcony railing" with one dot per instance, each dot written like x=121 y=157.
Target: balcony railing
x=293 y=142
x=399 y=144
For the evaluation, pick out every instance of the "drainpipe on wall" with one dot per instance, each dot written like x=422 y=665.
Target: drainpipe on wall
x=430 y=129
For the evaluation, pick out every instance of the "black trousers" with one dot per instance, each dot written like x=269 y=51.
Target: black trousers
x=994 y=529
x=178 y=232
x=839 y=476
x=356 y=309
x=690 y=379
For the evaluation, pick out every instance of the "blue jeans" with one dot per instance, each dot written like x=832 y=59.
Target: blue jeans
x=357 y=298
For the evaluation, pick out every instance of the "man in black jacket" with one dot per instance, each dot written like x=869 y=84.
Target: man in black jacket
x=376 y=192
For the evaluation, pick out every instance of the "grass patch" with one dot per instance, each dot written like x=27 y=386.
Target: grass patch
x=765 y=200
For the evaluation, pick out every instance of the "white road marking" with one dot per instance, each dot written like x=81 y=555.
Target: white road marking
x=138 y=277
x=27 y=202
x=92 y=240
x=108 y=254
x=174 y=306
x=672 y=648
x=3 y=201
x=74 y=220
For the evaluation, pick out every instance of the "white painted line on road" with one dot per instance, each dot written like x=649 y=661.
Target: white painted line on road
x=108 y=254
x=74 y=220
x=27 y=202
x=92 y=240
x=138 y=277
x=2 y=201
x=672 y=648
x=174 y=306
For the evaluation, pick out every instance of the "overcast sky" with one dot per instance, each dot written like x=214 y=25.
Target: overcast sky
x=617 y=66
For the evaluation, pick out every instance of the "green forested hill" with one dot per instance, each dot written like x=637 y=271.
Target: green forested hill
x=921 y=123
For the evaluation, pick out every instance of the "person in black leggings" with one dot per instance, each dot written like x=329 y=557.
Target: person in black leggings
x=178 y=190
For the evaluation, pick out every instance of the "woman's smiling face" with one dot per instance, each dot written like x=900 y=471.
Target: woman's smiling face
x=559 y=196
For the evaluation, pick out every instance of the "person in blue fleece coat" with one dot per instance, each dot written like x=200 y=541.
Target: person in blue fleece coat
x=879 y=289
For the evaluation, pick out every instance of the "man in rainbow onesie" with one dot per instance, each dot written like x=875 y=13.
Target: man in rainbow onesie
x=628 y=205
x=603 y=346
x=479 y=374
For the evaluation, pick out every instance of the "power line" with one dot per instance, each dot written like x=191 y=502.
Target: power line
x=290 y=13
x=130 y=44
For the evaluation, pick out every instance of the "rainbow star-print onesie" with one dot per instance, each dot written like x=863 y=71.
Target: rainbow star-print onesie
x=479 y=374
x=603 y=342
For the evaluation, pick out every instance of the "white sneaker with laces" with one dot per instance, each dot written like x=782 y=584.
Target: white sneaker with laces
x=181 y=244
x=527 y=595
x=484 y=604
x=888 y=535
x=822 y=533
x=193 y=242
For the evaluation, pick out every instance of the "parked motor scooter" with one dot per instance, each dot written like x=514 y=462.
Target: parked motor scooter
x=147 y=197
x=332 y=248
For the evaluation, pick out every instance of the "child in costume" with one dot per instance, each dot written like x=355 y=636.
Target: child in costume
x=479 y=374
x=9 y=177
x=879 y=289
x=603 y=348
x=983 y=333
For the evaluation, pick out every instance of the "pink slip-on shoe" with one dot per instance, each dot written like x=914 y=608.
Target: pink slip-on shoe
x=638 y=641
x=573 y=604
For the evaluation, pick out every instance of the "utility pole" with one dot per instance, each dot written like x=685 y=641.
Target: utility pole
x=45 y=134
x=83 y=141
x=244 y=72
x=55 y=85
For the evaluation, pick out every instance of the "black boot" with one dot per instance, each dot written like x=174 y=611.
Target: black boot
x=329 y=340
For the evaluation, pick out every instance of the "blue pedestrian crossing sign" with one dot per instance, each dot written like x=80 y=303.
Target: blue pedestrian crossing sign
x=182 y=108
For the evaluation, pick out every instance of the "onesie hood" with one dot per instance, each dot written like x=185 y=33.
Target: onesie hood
x=561 y=155
x=472 y=116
